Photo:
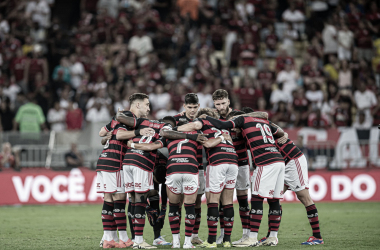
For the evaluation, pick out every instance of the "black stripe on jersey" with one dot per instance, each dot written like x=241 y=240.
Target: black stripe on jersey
x=240 y=148
x=289 y=150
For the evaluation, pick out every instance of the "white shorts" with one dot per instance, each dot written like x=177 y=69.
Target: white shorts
x=296 y=174
x=243 y=178
x=202 y=182
x=182 y=183
x=268 y=181
x=109 y=182
x=137 y=180
x=220 y=177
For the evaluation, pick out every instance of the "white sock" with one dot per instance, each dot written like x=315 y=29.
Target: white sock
x=194 y=235
x=175 y=239
x=273 y=234
x=139 y=239
x=253 y=235
x=123 y=236
x=187 y=240
x=222 y=231
x=108 y=235
x=246 y=231
x=114 y=236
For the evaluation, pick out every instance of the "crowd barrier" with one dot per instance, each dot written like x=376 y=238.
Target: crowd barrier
x=43 y=186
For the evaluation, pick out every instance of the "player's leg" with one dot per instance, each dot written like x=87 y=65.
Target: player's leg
x=174 y=190
x=110 y=183
x=219 y=239
x=242 y=186
x=153 y=211
x=301 y=188
x=198 y=208
x=227 y=202
x=277 y=173
x=131 y=210
x=215 y=181
x=129 y=189
x=190 y=190
x=143 y=183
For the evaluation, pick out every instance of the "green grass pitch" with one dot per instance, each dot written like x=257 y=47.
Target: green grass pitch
x=343 y=226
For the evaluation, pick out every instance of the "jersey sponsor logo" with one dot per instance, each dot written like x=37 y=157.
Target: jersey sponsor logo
x=212 y=218
x=272 y=149
x=116 y=210
x=138 y=216
x=182 y=119
x=137 y=185
x=128 y=184
x=109 y=212
x=230 y=182
x=229 y=150
x=187 y=188
x=312 y=215
x=104 y=211
x=181 y=160
x=228 y=224
x=137 y=151
x=253 y=211
x=103 y=155
x=190 y=216
x=173 y=189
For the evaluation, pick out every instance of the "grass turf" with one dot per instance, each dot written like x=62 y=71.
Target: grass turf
x=343 y=225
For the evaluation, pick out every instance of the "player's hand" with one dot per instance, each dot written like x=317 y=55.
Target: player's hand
x=109 y=135
x=204 y=116
x=147 y=132
x=129 y=144
x=283 y=139
x=161 y=217
x=237 y=130
x=202 y=138
x=182 y=113
x=227 y=137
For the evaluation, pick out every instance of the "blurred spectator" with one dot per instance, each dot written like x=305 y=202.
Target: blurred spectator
x=288 y=77
x=74 y=117
x=313 y=73
x=301 y=108
x=17 y=68
x=342 y=115
x=37 y=64
x=74 y=158
x=345 y=42
x=189 y=8
x=62 y=71
x=6 y=115
x=331 y=69
x=141 y=44
x=345 y=79
x=364 y=42
x=295 y=17
x=279 y=95
x=9 y=159
x=365 y=100
x=362 y=121
x=159 y=99
x=11 y=89
x=30 y=118
x=247 y=57
x=281 y=115
x=290 y=35
x=266 y=78
x=314 y=95
x=4 y=27
x=98 y=113
x=39 y=11
x=318 y=120
x=56 y=117
x=205 y=97
x=329 y=37
x=271 y=41
x=248 y=93
x=76 y=71
x=111 y=6
x=168 y=111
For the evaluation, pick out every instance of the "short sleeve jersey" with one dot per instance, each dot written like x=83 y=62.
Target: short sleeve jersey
x=259 y=135
x=140 y=158
x=111 y=158
x=182 y=118
x=224 y=152
x=289 y=150
x=183 y=156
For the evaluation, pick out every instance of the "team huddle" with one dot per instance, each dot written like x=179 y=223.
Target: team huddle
x=140 y=155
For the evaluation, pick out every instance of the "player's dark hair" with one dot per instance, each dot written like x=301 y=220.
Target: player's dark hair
x=169 y=119
x=219 y=94
x=191 y=98
x=208 y=112
x=137 y=96
x=180 y=123
x=247 y=110
x=234 y=113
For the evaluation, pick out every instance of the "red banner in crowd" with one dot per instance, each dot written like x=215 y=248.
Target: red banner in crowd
x=40 y=186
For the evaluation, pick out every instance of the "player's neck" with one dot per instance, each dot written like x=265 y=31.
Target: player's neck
x=135 y=112
x=188 y=116
x=229 y=111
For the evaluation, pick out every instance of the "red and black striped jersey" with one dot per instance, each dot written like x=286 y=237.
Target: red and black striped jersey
x=259 y=135
x=200 y=156
x=224 y=119
x=224 y=152
x=240 y=145
x=182 y=118
x=111 y=158
x=183 y=155
x=140 y=158
x=289 y=150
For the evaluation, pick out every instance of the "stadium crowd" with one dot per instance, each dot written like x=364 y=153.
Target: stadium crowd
x=309 y=63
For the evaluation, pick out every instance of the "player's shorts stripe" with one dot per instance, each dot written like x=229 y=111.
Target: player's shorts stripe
x=258 y=176
x=299 y=170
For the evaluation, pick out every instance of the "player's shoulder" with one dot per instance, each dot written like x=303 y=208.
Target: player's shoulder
x=128 y=113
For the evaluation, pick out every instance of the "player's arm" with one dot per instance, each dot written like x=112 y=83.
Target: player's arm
x=174 y=135
x=283 y=138
x=191 y=126
x=276 y=130
x=103 y=132
x=123 y=134
x=122 y=118
x=257 y=114
x=145 y=146
x=106 y=138
x=215 y=141
x=220 y=124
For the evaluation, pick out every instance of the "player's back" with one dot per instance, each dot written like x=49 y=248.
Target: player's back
x=183 y=155
x=289 y=150
x=113 y=152
x=224 y=152
x=259 y=135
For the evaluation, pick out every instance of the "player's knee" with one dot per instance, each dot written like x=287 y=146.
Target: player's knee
x=304 y=198
x=108 y=197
